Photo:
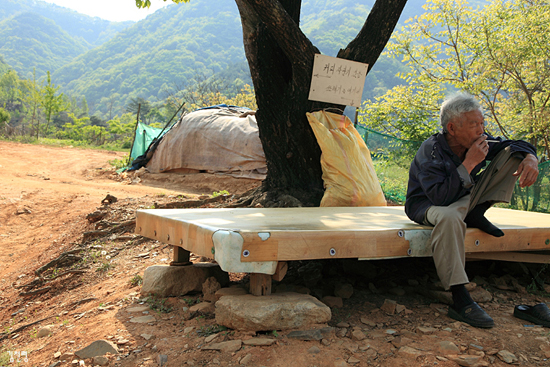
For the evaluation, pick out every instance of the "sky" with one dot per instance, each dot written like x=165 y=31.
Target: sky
x=113 y=10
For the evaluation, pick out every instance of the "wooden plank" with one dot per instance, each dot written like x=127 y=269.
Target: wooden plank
x=514 y=239
x=510 y=256
x=282 y=268
x=255 y=247
x=300 y=245
x=260 y=284
x=175 y=232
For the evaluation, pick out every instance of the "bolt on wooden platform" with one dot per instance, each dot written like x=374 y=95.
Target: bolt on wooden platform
x=259 y=241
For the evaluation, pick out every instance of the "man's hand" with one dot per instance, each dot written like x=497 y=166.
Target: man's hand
x=476 y=153
x=528 y=171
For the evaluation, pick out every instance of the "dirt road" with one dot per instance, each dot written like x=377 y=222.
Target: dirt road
x=46 y=194
x=46 y=190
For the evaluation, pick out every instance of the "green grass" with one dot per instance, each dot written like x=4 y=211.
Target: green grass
x=393 y=179
x=207 y=330
x=64 y=143
x=219 y=193
x=136 y=280
x=158 y=304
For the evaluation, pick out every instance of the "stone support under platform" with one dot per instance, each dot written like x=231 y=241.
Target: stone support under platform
x=165 y=281
x=280 y=311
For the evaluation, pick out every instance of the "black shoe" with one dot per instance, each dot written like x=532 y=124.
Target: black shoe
x=538 y=314
x=473 y=315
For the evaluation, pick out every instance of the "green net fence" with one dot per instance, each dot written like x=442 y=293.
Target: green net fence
x=392 y=158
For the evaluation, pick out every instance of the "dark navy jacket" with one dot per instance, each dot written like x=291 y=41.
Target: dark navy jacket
x=437 y=176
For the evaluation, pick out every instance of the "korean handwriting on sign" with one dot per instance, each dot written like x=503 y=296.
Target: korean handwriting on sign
x=339 y=89
x=344 y=71
x=18 y=356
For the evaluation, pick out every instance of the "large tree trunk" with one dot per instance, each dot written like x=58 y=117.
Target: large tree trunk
x=281 y=58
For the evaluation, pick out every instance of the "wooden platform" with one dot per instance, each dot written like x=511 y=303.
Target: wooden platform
x=256 y=240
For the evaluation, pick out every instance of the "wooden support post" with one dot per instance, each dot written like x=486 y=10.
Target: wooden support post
x=260 y=284
x=280 y=272
x=180 y=257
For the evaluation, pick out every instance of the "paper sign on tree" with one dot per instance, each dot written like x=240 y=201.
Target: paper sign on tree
x=336 y=80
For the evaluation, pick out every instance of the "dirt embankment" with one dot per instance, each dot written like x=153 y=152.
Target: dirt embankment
x=91 y=293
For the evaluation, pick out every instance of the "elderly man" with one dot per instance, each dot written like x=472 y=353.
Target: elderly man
x=447 y=191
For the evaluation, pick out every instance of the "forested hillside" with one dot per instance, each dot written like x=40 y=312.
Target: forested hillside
x=150 y=58
x=29 y=41
x=92 y=30
x=168 y=49
x=171 y=51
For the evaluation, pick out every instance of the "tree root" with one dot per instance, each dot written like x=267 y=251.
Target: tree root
x=6 y=335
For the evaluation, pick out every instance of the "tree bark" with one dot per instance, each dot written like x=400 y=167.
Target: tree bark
x=280 y=58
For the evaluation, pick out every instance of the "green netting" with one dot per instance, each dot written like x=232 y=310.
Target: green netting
x=392 y=158
x=384 y=146
x=144 y=136
x=535 y=198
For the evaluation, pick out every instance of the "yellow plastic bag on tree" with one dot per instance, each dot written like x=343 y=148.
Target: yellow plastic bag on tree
x=348 y=172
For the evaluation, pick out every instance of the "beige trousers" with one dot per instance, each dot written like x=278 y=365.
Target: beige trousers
x=447 y=240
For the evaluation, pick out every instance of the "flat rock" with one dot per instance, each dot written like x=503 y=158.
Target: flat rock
x=209 y=289
x=367 y=321
x=231 y=291
x=45 y=331
x=468 y=360
x=280 y=311
x=95 y=349
x=358 y=334
x=143 y=319
x=247 y=358
x=259 y=341
x=165 y=280
x=389 y=306
x=147 y=336
x=333 y=302
x=425 y=330
x=210 y=338
x=507 y=357
x=100 y=361
x=203 y=307
x=228 y=346
x=314 y=350
x=306 y=334
x=138 y=309
x=411 y=352
x=448 y=347
x=343 y=290
x=481 y=295
x=67 y=356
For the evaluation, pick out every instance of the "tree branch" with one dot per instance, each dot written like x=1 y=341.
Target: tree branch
x=376 y=32
x=282 y=27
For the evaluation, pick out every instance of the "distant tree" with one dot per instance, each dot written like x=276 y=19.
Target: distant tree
x=10 y=89
x=96 y=121
x=280 y=58
x=4 y=117
x=144 y=108
x=84 y=110
x=32 y=99
x=52 y=103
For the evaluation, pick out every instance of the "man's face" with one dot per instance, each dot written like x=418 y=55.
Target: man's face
x=467 y=128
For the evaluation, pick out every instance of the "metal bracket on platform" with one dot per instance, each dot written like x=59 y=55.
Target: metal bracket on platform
x=228 y=249
x=419 y=242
